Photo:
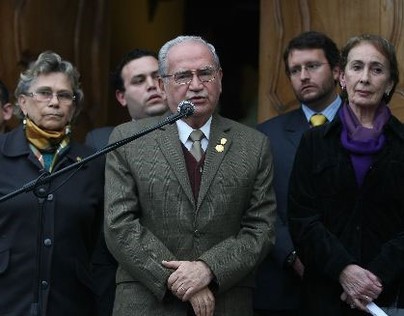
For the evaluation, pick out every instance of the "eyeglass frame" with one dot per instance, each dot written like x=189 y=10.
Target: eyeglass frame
x=215 y=70
x=310 y=67
x=35 y=95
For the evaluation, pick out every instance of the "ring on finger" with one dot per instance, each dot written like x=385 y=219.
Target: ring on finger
x=352 y=305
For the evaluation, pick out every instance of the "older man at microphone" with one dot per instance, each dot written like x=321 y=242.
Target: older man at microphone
x=190 y=207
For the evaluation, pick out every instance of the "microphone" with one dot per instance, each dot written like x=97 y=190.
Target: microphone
x=186 y=108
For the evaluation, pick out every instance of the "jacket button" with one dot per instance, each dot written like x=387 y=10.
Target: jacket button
x=44 y=285
x=47 y=242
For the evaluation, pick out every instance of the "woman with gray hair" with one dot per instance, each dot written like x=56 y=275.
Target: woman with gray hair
x=48 y=234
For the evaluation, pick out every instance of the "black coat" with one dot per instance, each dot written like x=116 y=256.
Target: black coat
x=46 y=243
x=333 y=222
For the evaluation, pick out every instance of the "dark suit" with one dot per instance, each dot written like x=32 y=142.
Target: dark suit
x=104 y=264
x=98 y=137
x=278 y=287
x=46 y=243
x=151 y=215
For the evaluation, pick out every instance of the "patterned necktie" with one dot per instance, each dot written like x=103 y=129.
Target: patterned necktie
x=317 y=119
x=196 y=148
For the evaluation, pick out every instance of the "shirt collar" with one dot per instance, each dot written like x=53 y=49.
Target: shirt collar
x=184 y=130
x=329 y=112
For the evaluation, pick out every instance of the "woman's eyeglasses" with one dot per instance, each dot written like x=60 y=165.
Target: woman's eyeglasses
x=46 y=96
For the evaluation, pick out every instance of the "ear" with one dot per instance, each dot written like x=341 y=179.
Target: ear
x=342 y=82
x=7 y=111
x=389 y=88
x=22 y=103
x=120 y=96
x=336 y=72
x=161 y=85
x=220 y=77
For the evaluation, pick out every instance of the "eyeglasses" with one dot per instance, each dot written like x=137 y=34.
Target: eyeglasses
x=309 y=67
x=207 y=74
x=46 y=96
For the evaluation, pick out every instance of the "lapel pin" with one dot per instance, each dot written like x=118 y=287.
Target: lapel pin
x=220 y=147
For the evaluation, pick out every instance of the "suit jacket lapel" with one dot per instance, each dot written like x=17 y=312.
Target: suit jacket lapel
x=214 y=154
x=295 y=126
x=170 y=145
x=168 y=140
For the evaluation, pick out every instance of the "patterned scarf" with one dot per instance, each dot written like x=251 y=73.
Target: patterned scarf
x=361 y=142
x=48 y=146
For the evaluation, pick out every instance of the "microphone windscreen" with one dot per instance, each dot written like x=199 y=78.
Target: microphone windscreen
x=186 y=107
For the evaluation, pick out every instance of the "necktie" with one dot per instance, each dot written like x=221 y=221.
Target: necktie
x=196 y=148
x=317 y=119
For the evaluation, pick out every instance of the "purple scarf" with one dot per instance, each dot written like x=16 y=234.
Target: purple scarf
x=361 y=142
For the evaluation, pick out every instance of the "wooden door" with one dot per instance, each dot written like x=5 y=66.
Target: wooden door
x=78 y=30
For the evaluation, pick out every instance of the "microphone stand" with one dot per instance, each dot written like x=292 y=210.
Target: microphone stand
x=47 y=177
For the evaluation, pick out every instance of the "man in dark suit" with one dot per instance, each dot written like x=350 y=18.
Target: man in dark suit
x=135 y=83
x=312 y=64
x=189 y=230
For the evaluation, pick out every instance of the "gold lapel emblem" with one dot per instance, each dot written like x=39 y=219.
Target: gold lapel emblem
x=220 y=147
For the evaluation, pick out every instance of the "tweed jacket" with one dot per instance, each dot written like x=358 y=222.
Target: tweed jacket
x=151 y=214
x=46 y=242
x=334 y=222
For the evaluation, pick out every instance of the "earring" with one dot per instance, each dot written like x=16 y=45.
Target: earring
x=387 y=93
x=68 y=129
x=24 y=121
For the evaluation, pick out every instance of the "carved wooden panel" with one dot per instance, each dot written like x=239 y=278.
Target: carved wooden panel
x=283 y=19
x=78 y=30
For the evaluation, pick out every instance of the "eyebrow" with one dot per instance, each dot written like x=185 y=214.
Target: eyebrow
x=375 y=62
x=143 y=74
x=50 y=88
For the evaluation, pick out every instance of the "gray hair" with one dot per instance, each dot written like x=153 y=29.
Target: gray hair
x=50 y=62
x=163 y=53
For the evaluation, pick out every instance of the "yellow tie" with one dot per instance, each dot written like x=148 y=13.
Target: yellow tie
x=317 y=119
x=196 y=148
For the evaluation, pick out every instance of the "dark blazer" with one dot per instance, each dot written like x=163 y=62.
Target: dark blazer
x=46 y=242
x=104 y=264
x=334 y=223
x=151 y=215
x=278 y=287
x=98 y=137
